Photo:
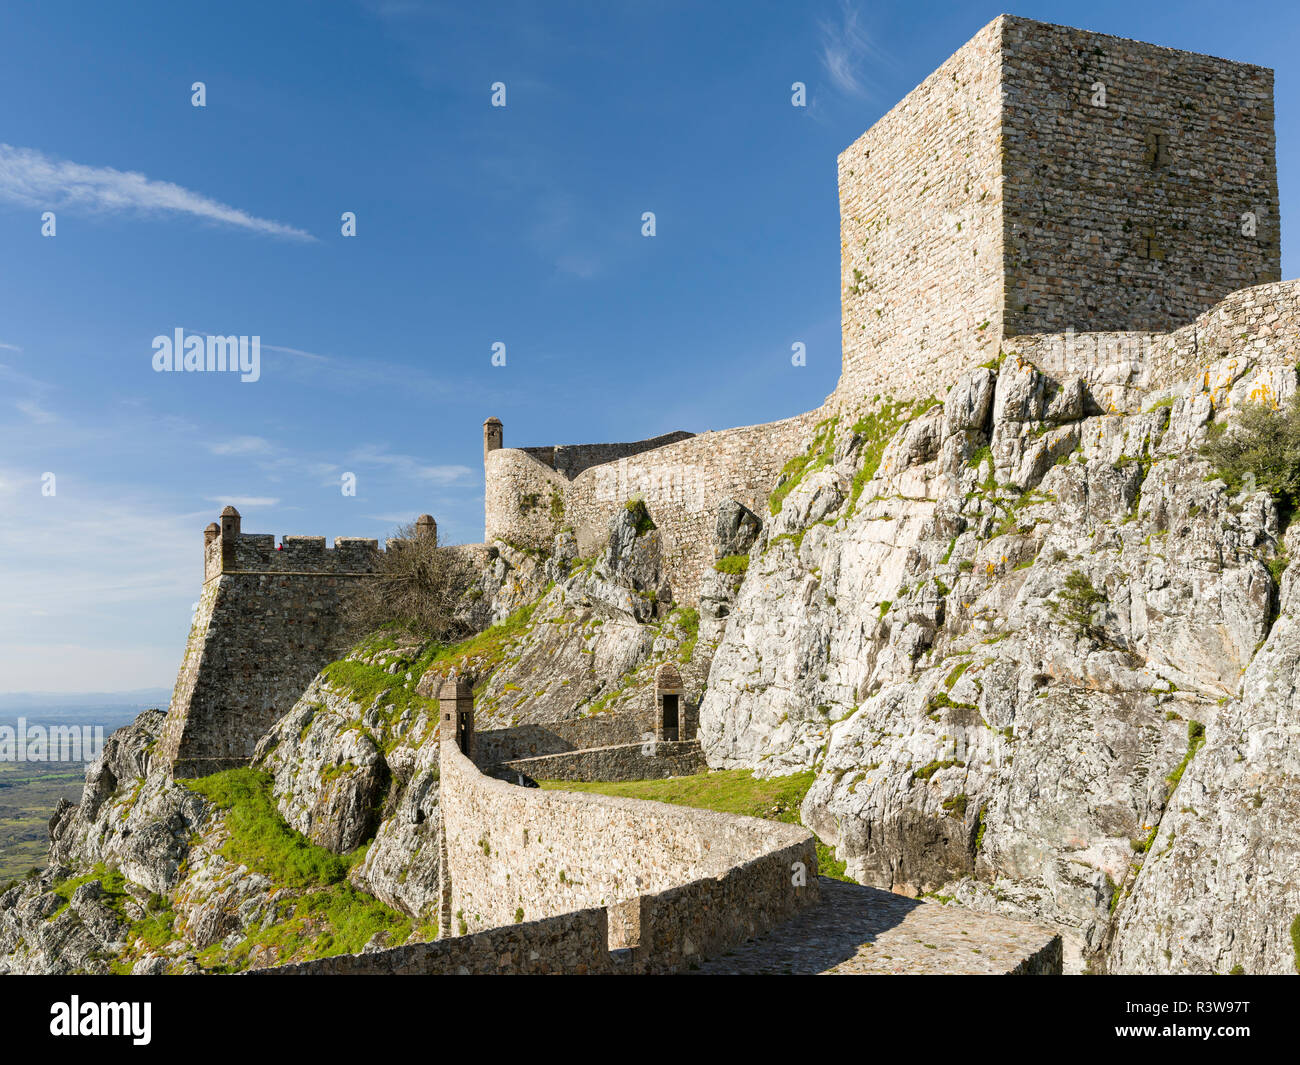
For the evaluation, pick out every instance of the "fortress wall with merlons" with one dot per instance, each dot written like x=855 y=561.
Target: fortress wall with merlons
x=267 y=622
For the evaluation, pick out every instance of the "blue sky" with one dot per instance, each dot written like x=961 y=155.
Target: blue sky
x=474 y=225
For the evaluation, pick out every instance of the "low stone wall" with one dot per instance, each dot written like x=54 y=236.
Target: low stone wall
x=493 y=746
x=574 y=943
x=525 y=854
x=1259 y=324
x=616 y=886
x=626 y=761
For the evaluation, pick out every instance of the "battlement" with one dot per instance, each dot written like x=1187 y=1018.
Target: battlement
x=226 y=549
x=270 y=616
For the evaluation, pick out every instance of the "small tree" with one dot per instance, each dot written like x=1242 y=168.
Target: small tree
x=418 y=587
x=1075 y=604
x=1259 y=444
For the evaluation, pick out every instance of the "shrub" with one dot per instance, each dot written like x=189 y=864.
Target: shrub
x=418 y=588
x=1260 y=446
x=1075 y=604
x=734 y=564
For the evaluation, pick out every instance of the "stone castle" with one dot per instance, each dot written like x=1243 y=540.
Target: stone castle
x=1050 y=191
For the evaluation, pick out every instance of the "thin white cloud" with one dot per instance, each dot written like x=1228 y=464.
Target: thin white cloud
x=295 y=351
x=244 y=501
x=846 y=47
x=241 y=445
x=33 y=179
x=35 y=412
x=9 y=347
x=408 y=466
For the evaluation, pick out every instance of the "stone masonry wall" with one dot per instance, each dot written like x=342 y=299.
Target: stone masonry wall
x=559 y=737
x=921 y=232
x=260 y=636
x=267 y=622
x=681 y=483
x=624 y=761
x=999 y=198
x=518 y=854
x=572 y=459
x=576 y=943
x=1259 y=325
x=1129 y=216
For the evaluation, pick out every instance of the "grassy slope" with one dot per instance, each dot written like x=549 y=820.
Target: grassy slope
x=731 y=791
x=327 y=916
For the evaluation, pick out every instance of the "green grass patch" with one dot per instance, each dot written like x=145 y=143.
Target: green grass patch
x=734 y=564
x=1195 y=741
x=259 y=836
x=818 y=455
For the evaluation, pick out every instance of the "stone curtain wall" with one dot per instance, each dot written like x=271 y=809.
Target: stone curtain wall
x=519 y=854
x=1183 y=148
x=575 y=943
x=572 y=459
x=1256 y=325
x=921 y=233
x=492 y=746
x=681 y=483
x=624 y=761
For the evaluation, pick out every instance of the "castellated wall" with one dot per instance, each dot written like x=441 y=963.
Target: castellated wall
x=999 y=199
x=528 y=502
x=678 y=882
x=268 y=621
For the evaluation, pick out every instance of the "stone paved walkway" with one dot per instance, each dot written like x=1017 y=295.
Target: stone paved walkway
x=859 y=930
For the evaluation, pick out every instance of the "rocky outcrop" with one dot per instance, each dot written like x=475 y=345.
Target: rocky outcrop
x=996 y=628
x=1219 y=891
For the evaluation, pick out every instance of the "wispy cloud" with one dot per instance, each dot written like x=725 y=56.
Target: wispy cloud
x=9 y=347
x=295 y=351
x=33 y=179
x=244 y=501
x=409 y=466
x=241 y=445
x=846 y=48
x=35 y=411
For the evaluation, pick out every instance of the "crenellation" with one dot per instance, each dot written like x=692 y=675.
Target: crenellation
x=270 y=617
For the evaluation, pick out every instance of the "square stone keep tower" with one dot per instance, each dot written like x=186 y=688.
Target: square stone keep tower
x=1045 y=178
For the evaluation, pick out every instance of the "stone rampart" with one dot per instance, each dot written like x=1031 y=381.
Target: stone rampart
x=493 y=746
x=1259 y=325
x=268 y=620
x=575 y=943
x=652 y=760
x=517 y=854
x=527 y=502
